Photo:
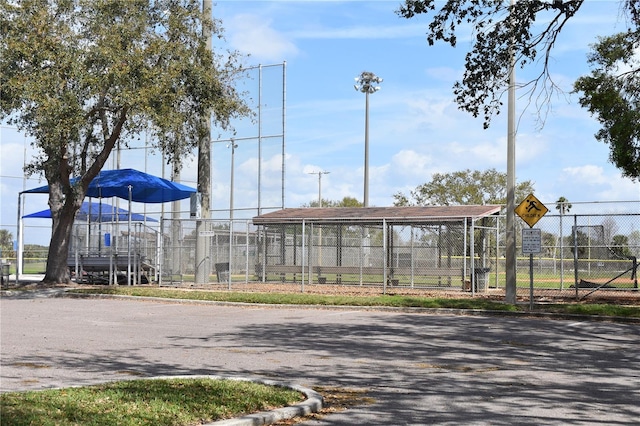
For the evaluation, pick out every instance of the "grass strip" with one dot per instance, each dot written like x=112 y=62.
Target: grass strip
x=158 y=402
x=400 y=301
x=306 y=299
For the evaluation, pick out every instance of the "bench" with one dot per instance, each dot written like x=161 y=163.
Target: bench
x=441 y=276
x=339 y=271
x=282 y=271
x=444 y=276
x=94 y=269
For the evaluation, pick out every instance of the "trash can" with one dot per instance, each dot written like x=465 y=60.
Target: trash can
x=4 y=276
x=222 y=272
x=480 y=279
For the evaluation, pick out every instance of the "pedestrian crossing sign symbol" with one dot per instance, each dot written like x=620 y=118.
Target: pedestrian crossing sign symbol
x=531 y=210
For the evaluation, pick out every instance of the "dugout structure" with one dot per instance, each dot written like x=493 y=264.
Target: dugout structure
x=432 y=246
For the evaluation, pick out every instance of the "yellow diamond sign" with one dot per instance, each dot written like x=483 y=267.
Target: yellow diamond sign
x=531 y=210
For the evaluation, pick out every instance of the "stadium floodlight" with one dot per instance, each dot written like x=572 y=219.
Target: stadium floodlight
x=366 y=83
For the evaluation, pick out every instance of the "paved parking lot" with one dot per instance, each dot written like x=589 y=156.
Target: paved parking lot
x=420 y=368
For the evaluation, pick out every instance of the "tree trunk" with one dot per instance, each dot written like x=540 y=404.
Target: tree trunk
x=57 y=270
x=63 y=213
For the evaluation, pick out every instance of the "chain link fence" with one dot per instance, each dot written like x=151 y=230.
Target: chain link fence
x=582 y=253
x=225 y=262
x=437 y=256
x=114 y=253
x=589 y=251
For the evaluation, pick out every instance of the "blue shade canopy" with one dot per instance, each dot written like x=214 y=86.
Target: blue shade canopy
x=95 y=212
x=145 y=188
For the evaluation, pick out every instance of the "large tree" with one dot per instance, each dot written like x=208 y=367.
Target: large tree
x=81 y=76
x=523 y=33
x=463 y=187
x=612 y=94
x=6 y=244
x=345 y=202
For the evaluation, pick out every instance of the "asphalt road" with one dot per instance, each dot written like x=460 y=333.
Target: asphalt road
x=420 y=368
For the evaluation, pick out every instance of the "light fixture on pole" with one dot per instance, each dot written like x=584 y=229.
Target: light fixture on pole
x=366 y=83
x=320 y=173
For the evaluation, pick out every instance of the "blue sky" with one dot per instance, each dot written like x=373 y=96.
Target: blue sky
x=415 y=127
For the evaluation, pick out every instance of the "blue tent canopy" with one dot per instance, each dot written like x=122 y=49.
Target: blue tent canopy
x=97 y=212
x=145 y=188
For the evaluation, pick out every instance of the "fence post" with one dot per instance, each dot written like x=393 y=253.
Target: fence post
x=384 y=256
x=575 y=254
x=303 y=256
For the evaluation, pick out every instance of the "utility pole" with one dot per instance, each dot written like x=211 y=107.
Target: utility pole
x=510 y=255
x=202 y=257
x=320 y=173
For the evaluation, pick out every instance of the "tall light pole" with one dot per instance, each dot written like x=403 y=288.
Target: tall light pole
x=319 y=173
x=366 y=83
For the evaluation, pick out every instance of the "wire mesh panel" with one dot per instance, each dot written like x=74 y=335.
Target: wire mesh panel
x=580 y=253
x=428 y=255
x=114 y=252
x=449 y=254
x=422 y=256
x=605 y=251
x=231 y=250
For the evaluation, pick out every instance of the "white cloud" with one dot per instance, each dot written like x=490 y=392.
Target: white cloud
x=364 y=32
x=411 y=163
x=588 y=174
x=437 y=113
x=600 y=185
x=254 y=35
x=446 y=74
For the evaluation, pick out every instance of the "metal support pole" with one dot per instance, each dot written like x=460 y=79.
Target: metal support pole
x=385 y=256
x=366 y=151
x=304 y=256
x=510 y=255
x=365 y=83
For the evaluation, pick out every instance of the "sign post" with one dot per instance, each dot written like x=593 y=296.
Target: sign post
x=531 y=244
x=531 y=211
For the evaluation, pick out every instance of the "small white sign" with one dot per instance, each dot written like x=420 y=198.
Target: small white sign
x=207 y=233
x=531 y=241
x=195 y=205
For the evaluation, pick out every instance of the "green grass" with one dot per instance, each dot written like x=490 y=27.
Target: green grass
x=400 y=301
x=552 y=281
x=33 y=267
x=593 y=309
x=137 y=402
x=542 y=280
